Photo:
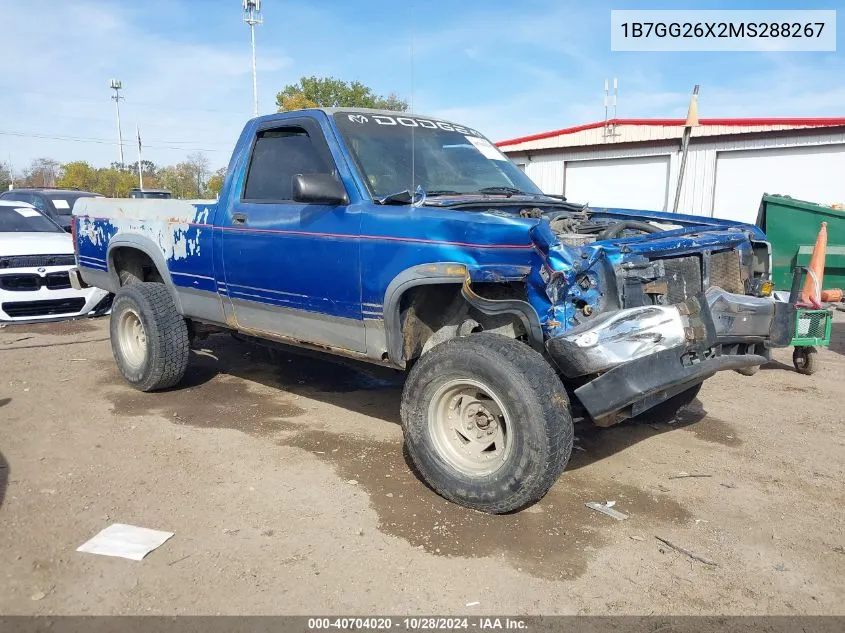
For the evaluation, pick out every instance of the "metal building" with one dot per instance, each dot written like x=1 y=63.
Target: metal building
x=731 y=163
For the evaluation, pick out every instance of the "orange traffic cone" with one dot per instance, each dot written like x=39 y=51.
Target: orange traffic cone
x=834 y=295
x=812 y=292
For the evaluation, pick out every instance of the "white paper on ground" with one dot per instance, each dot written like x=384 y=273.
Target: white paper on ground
x=125 y=541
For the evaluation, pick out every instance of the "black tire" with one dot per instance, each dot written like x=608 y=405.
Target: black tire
x=534 y=402
x=804 y=359
x=748 y=371
x=668 y=410
x=160 y=360
x=127 y=277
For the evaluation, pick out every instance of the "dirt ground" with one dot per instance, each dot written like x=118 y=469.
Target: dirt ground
x=287 y=490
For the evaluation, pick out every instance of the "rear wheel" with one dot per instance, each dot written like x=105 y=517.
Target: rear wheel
x=487 y=422
x=149 y=338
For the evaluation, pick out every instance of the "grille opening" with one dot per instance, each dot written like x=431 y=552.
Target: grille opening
x=23 y=282
x=33 y=261
x=48 y=307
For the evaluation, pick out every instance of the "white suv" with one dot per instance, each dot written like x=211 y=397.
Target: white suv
x=35 y=256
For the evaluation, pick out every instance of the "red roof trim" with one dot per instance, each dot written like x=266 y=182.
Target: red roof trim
x=806 y=122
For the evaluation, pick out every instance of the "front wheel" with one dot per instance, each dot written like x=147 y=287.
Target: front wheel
x=487 y=422
x=748 y=371
x=149 y=338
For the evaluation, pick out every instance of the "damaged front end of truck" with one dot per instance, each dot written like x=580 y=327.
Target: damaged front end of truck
x=636 y=308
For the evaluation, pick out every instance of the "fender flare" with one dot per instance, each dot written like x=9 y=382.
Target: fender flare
x=146 y=246
x=448 y=273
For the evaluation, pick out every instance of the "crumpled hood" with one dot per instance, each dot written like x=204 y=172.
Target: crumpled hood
x=35 y=244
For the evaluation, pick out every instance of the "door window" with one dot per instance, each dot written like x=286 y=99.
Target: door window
x=278 y=156
x=41 y=204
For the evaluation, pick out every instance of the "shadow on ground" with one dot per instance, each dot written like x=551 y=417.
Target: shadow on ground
x=207 y=397
x=4 y=477
x=837 y=337
x=216 y=393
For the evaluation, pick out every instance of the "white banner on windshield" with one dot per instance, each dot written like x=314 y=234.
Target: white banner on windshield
x=487 y=149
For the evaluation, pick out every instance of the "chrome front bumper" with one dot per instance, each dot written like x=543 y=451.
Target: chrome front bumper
x=648 y=354
x=622 y=336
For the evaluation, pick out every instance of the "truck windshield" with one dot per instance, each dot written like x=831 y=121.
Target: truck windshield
x=447 y=158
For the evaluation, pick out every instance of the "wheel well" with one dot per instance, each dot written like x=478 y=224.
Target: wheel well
x=132 y=265
x=431 y=314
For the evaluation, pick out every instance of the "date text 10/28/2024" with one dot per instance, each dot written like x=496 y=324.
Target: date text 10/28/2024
x=418 y=624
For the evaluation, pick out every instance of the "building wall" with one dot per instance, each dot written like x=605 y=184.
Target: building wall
x=548 y=167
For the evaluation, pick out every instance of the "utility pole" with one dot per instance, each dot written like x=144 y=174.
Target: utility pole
x=140 y=177
x=692 y=121
x=252 y=17
x=117 y=86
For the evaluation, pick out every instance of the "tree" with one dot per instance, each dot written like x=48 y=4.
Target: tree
x=79 y=175
x=5 y=176
x=215 y=183
x=42 y=172
x=114 y=182
x=148 y=168
x=198 y=165
x=328 y=92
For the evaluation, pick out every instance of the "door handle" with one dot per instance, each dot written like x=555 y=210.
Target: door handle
x=239 y=218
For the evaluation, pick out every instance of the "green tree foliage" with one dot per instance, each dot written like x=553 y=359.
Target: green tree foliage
x=5 y=176
x=328 y=92
x=188 y=179
x=215 y=182
x=191 y=178
x=79 y=175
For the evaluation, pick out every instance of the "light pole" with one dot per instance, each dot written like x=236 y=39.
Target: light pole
x=252 y=16
x=117 y=86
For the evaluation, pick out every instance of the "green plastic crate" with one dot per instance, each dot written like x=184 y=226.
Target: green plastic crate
x=812 y=327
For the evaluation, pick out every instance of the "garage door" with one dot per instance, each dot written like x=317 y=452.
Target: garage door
x=807 y=173
x=633 y=183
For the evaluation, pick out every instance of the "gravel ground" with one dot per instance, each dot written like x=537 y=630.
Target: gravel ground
x=286 y=486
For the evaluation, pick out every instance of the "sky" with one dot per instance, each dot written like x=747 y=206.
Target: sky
x=506 y=68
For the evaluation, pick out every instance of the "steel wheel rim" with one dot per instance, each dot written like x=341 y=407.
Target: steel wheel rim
x=132 y=338
x=470 y=427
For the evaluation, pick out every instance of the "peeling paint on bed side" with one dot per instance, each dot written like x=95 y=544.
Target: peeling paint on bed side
x=176 y=228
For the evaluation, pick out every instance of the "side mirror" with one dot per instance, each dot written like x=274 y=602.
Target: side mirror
x=318 y=188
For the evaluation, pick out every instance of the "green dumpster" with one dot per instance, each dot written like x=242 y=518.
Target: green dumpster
x=792 y=226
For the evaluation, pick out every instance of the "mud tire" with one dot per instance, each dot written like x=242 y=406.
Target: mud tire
x=149 y=338
x=533 y=402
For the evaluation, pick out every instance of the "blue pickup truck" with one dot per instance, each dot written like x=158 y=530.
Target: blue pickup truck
x=414 y=243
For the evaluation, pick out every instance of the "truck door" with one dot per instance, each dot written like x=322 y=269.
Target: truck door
x=292 y=269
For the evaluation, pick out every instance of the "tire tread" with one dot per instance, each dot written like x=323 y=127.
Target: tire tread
x=550 y=395
x=166 y=331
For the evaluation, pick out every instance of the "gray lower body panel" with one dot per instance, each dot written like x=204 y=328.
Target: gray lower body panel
x=298 y=325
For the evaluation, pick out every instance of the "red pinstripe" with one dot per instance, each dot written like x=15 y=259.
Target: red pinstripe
x=385 y=238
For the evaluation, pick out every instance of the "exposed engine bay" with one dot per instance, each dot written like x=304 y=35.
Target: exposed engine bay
x=581 y=225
